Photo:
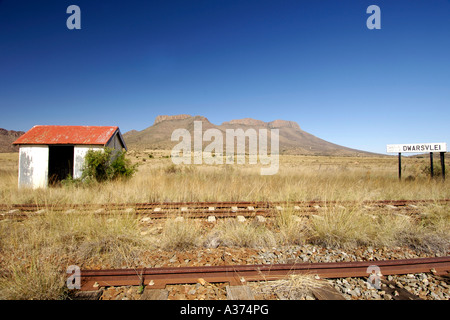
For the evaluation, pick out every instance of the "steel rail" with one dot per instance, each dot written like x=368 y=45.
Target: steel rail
x=223 y=204
x=237 y=274
x=218 y=209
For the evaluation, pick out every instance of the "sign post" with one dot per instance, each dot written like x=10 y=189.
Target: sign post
x=440 y=147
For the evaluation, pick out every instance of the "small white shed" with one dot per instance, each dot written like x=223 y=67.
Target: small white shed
x=52 y=153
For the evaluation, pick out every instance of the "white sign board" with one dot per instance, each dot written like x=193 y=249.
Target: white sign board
x=417 y=147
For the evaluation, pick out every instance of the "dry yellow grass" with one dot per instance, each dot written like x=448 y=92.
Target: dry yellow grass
x=237 y=234
x=296 y=287
x=35 y=252
x=299 y=178
x=179 y=235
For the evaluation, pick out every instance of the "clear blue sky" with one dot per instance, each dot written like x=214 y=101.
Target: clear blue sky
x=314 y=62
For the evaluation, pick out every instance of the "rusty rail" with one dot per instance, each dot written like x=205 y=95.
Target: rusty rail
x=237 y=274
x=220 y=205
x=218 y=209
x=226 y=204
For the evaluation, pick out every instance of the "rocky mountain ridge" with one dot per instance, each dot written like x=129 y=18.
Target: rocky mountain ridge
x=7 y=137
x=292 y=139
x=272 y=124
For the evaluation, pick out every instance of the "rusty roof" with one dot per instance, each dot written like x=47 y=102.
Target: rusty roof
x=85 y=135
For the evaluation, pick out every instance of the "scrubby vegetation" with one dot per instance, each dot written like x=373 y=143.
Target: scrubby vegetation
x=107 y=164
x=437 y=170
x=35 y=252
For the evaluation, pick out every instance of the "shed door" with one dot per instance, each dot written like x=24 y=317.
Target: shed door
x=60 y=163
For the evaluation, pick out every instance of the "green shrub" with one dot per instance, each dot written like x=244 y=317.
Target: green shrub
x=437 y=170
x=103 y=165
x=121 y=167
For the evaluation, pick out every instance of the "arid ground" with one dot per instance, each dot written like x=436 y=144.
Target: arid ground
x=35 y=252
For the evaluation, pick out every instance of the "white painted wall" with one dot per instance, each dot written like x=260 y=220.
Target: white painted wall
x=33 y=166
x=79 y=153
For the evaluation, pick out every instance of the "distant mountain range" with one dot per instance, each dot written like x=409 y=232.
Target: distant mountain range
x=7 y=137
x=292 y=139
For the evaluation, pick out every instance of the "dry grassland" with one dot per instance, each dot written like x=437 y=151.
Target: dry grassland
x=35 y=252
x=299 y=178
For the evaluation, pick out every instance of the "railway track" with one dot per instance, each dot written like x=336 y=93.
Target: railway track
x=158 y=278
x=218 y=209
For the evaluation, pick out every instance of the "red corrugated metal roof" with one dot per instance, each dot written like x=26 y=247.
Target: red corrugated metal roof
x=90 y=135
